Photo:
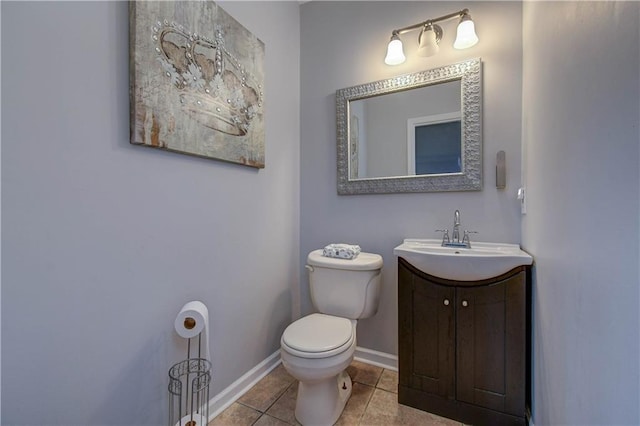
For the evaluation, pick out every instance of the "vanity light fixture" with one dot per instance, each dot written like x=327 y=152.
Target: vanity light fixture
x=430 y=36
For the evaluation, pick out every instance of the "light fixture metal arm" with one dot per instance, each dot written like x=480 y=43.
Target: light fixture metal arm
x=430 y=21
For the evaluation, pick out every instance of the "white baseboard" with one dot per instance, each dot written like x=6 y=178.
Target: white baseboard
x=377 y=358
x=234 y=391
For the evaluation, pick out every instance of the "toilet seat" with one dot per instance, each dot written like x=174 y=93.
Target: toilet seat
x=318 y=336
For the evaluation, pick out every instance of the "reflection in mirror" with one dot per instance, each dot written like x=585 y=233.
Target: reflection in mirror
x=384 y=128
x=414 y=133
x=434 y=144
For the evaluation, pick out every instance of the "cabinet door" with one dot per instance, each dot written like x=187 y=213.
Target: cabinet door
x=426 y=335
x=491 y=333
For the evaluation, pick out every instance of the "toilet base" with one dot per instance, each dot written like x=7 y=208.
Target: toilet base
x=321 y=403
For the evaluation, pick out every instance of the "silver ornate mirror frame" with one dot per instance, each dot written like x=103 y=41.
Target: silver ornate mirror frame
x=469 y=179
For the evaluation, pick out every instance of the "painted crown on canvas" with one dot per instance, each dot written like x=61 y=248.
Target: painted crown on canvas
x=214 y=87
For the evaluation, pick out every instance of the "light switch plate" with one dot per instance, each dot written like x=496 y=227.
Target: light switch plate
x=523 y=200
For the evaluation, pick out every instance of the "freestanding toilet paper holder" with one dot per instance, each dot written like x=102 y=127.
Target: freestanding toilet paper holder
x=189 y=389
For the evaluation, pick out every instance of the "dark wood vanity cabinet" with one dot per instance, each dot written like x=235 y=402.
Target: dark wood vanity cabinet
x=464 y=346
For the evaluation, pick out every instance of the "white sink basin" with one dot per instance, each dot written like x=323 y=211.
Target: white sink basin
x=481 y=261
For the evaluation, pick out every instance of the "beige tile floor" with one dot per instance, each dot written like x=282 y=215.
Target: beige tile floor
x=373 y=401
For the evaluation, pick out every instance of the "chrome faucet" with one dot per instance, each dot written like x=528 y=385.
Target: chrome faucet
x=455 y=235
x=454 y=241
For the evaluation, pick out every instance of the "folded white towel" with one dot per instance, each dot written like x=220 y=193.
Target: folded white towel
x=342 y=251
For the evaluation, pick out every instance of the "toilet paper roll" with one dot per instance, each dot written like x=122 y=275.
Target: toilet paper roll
x=192 y=420
x=192 y=320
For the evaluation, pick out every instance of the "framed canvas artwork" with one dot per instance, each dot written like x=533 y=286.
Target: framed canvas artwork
x=196 y=81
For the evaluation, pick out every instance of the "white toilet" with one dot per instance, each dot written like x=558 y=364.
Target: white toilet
x=318 y=348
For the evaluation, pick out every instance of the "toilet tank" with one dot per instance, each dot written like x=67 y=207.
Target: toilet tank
x=345 y=288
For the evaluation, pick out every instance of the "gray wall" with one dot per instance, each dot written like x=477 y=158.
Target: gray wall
x=581 y=138
x=343 y=44
x=103 y=242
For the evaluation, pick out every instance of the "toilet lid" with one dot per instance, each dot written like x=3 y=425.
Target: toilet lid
x=318 y=333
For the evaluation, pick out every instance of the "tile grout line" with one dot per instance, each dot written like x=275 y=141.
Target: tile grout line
x=373 y=387
x=270 y=405
x=370 y=398
x=366 y=406
x=277 y=399
x=259 y=417
x=248 y=406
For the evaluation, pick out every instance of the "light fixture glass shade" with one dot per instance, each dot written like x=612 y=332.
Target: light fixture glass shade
x=395 y=55
x=466 y=33
x=427 y=42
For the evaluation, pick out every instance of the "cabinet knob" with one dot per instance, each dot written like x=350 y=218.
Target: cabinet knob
x=465 y=303
x=446 y=302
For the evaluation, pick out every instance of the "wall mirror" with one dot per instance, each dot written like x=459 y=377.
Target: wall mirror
x=419 y=132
